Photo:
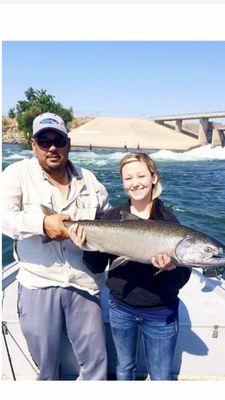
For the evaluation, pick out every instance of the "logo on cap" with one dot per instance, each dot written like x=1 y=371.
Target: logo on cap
x=48 y=121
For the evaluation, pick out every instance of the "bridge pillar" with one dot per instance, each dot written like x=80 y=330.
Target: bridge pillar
x=178 y=125
x=203 y=131
x=218 y=138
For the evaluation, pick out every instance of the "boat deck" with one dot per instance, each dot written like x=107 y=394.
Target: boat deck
x=200 y=351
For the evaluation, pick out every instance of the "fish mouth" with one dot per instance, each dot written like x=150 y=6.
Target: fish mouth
x=216 y=260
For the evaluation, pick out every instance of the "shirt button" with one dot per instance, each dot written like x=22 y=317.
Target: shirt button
x=64 y=248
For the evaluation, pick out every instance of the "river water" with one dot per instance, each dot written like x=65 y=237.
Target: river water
x=193 y=182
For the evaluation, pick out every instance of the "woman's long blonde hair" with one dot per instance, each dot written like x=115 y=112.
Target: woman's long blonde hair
x=143 y=157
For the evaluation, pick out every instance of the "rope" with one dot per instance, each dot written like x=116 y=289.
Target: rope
x=4 y=332
x=19 y=348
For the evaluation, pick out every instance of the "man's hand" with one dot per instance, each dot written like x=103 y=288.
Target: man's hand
x=54 y=226
x=77 y=235
x=163 y=262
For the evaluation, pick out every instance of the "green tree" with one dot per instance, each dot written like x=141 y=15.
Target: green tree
x=37 y=102
x=11 y=113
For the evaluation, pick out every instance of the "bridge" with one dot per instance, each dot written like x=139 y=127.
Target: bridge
x=208 y=132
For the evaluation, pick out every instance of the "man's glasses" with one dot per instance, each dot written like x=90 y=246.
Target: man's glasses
x=58 y=141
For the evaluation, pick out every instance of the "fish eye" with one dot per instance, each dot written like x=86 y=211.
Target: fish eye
x=208 y=249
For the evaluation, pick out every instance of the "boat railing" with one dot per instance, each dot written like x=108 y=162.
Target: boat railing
x=9 y=274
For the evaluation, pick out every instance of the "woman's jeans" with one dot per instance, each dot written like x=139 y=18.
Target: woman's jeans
x=159 y=339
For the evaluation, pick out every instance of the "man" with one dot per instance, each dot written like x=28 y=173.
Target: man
x=56 y=290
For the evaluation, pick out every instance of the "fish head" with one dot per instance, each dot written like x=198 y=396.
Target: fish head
x=200 y=251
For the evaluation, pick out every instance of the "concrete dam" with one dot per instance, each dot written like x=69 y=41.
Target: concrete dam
x=169 y=132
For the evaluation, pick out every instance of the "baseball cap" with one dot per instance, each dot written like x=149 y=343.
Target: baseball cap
x=48 y=121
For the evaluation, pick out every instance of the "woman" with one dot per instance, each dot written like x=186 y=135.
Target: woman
x=141 y=301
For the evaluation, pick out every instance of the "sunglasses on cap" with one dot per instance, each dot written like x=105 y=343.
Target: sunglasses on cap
x=58 y=141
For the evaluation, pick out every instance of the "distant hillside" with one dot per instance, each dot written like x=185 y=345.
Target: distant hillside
x=11 y=133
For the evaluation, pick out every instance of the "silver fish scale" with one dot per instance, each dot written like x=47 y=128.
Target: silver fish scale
x=137 y=240
x=140 y=240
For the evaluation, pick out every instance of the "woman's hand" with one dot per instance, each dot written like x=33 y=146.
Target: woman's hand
x=77 y=235
x=163 y=262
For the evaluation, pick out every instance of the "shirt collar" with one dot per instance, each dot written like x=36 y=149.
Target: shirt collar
x=72 y=170
x=75 y=171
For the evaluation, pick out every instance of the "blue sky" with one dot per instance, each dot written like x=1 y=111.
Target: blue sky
x=118 y=78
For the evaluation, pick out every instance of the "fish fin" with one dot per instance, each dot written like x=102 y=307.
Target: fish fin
x=158 y=272
x=46 y=210
x=122 y=260
x=91 y=245
x=161 y=270
x=128 y=216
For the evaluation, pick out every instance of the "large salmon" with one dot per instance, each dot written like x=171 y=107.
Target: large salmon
x=139 y=240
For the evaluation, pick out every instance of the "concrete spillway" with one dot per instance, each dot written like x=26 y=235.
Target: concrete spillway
x=132 y=133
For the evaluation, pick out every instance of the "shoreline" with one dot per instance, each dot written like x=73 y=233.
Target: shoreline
x=116 y=148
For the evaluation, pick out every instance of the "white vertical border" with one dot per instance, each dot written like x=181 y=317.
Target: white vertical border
x=111 y=22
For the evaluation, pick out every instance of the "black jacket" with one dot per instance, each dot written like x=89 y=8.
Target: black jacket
x=134 y=283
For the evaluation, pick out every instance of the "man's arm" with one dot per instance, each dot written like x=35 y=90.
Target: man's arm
x=16 y=222
x=20 y=224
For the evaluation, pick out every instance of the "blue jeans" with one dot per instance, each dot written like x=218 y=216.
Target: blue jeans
x=159 y=339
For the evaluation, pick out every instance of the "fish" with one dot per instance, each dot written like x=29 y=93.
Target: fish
x=136 y=239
